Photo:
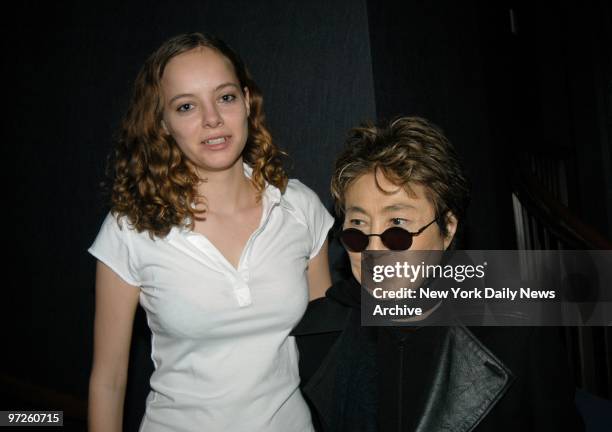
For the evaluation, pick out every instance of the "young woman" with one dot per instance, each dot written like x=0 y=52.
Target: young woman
x=220 y=248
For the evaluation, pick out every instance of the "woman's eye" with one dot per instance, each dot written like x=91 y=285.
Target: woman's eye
x=228 y=98
x=399 y=221
x=357 y=222
x=184 y=107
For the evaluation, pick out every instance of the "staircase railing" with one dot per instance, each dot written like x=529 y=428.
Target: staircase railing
x=544 y=221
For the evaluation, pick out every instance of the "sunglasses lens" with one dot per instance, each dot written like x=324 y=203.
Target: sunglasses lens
x=396 y=239
x=354 y=240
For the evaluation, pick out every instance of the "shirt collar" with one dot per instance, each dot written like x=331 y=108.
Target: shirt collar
x=271 y=192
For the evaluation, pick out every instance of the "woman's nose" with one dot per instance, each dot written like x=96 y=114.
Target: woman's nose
x=211 y=117
x=376 y=244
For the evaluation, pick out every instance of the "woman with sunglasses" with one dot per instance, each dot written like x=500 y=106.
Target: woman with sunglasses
x=400 y=186
x=219 y=247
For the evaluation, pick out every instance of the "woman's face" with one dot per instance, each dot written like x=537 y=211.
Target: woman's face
x=372 y=211
x=205 y=110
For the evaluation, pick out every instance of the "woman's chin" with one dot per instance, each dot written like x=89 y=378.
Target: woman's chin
x=219 y=163
x=357 y=274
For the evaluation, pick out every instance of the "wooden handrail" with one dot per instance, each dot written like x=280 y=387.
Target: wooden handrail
x=555 y=216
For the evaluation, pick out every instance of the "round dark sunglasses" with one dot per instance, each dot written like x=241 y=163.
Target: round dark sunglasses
x=394 y=238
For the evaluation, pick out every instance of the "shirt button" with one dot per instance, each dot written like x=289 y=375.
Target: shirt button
x=244 y=274
x=243 y=295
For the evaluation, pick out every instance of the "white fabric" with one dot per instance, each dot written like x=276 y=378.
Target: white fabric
x=224 y=360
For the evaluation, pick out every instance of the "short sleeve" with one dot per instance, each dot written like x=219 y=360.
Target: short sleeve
x=315 y=215
x=112 y=246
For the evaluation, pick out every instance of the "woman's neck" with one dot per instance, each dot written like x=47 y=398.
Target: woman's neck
x=227 y=191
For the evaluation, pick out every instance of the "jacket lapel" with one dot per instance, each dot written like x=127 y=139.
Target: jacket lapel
x=469 y=381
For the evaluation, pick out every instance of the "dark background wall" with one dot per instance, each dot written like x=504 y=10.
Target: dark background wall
x=496 y=88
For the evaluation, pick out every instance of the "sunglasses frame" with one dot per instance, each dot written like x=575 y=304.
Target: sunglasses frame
x=381 y=235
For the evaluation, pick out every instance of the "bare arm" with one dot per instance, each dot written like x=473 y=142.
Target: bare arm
x=116 y=303
x=319 y=278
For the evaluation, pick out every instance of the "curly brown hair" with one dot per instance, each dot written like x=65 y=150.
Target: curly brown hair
x=152 y=181
x=406 y=150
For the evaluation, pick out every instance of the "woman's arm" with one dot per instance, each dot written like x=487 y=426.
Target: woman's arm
x=319 y=278
x=116 y=303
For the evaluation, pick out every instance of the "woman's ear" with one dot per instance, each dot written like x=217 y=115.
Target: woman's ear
x=451 y=228
x=165 y=128
x=247 y=100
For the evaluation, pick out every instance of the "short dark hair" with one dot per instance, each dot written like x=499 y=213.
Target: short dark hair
x=406 y=150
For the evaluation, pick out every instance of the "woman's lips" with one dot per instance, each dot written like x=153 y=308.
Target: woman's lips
x=217 y=143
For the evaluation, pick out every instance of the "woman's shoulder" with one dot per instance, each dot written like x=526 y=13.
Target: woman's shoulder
x=299 y=194
x=117 y=222
x=119 y=226
x=303 y=201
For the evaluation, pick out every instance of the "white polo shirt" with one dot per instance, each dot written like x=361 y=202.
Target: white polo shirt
x=224 y=360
